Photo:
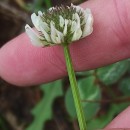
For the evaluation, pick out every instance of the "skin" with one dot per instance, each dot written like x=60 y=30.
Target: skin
x=23 y=64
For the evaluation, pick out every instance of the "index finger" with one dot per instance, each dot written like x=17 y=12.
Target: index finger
x=23 y=64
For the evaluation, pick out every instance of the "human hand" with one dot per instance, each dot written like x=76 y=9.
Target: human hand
x=24 y=65
x=122 y=121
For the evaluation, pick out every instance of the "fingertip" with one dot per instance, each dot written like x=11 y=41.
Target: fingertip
x=23 y=64
x=121 y=121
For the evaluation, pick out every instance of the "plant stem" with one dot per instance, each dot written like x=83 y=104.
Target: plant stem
x=75 y=91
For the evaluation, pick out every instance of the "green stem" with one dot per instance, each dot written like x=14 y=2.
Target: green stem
x=75 y=91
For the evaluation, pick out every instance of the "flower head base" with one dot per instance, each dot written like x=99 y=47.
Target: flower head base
x=60 y=25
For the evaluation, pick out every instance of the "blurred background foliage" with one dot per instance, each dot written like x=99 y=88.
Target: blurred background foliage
x=105 y=91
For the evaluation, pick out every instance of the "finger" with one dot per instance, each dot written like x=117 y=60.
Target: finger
x=23 y=64
x=121 y=121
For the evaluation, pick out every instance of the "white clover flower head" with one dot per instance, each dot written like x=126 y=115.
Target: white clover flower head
x=60 y=25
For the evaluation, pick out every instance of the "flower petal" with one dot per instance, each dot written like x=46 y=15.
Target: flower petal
x=36 y=20
x=56 y=36
x=46 y=35
x=60 y=36
x=44 y=26
x=87 y=31
x=61 y=21
x=65 y=27
x=77 y=34
x=52 y=8
x=40 y=13
x=73 y=26
x=35 y=38
x=78 y=8
x=53 y=32
x=88 y=28
x=77 y=18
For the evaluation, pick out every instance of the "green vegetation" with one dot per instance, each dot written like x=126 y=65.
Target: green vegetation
x=107 y=86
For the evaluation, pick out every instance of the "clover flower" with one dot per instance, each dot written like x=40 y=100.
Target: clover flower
x=63 y=25
x=60 y=25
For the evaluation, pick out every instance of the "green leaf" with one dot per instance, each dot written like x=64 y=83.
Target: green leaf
x=85 y=73
x=3 y=125
x=124 y=86
x=129 y=65
x=48 y=3
x=117 y=108
x=37 y=5
x=112 y=73
x=43 y=111
x=88 y=91
x=102 y=121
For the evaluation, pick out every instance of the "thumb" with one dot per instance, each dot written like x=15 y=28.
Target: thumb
x=121 y=121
